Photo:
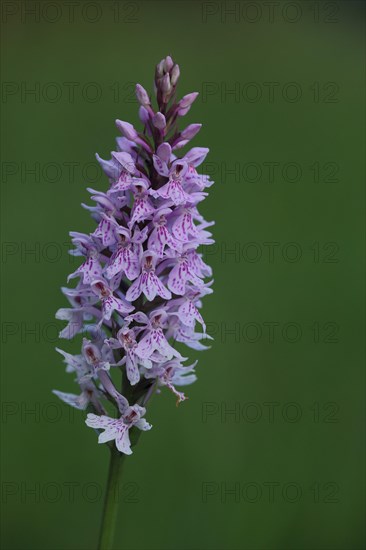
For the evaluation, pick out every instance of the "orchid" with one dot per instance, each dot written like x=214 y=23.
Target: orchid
x=117 y=429
x=140 y=285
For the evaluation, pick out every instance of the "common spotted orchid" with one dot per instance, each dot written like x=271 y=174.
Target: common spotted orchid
x=140 y=285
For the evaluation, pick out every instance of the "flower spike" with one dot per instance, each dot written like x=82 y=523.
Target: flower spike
x=140 y=285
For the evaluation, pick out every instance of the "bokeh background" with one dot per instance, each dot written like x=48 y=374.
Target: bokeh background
x=268 y=453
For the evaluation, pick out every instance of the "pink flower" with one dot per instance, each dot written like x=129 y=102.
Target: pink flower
x=118 y=429
x=141 y=282
x=148 y=282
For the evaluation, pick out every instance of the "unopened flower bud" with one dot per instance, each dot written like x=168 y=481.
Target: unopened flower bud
x=187 y=100
x=164 y=151
x=168 y=63
x=160 y=68
x=190 y=131
x=165 y=84
x=142 y=95
x=127 y=129
x=159 y=121
x=175 y=75
x=180 y=144
x=143 y=115
x=183 y=112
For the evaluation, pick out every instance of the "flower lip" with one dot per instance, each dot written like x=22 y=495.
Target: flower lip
x=149 y=261
x=91 y=352
x=140 y=185
x=126 y=337
x=123 y=236
x=130 y=417
x=158 y=318
x=179 y=168
x=100 y=288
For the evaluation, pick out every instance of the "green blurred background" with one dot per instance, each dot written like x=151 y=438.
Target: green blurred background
x=286 y=469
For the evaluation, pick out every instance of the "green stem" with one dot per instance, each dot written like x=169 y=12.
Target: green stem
x=111 y=501
x=112 y=495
